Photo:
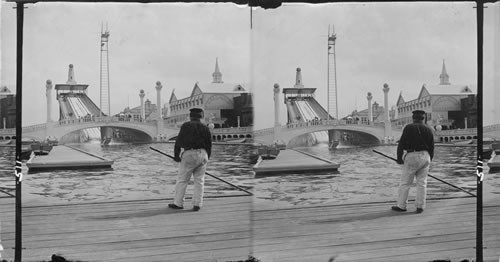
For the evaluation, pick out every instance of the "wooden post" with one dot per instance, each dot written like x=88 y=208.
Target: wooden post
x=479 y=203
x=19 y=95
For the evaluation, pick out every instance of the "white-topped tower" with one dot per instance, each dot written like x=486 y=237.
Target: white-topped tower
x=387 y=120
x=71 y=75
x=158 y=88
x=298 y=79
x=143 y=112
x=370 y=110
x=48 y=93
x=277 y=126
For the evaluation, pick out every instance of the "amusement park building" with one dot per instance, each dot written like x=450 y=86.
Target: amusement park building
x=135 y=112
x=378 y=114
x=446 y=105
x=224 y=104
x=7 y=108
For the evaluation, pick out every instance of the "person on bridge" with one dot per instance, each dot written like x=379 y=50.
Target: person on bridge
x=418 y=142
x=196 y=140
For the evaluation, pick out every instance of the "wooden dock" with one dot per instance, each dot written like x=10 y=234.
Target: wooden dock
x=231 y=228
x=294 y=161
x=494 y=161
x=64 y=157
x=372 y=232
x=131 y=231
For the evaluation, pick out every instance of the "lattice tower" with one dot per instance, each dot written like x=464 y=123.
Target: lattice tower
x=332 y=76
x=104 y=78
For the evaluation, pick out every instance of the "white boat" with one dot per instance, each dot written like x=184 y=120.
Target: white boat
x=465 y=142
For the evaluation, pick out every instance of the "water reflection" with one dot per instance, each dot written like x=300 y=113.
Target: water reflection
x=365 y=176
x=140 y=173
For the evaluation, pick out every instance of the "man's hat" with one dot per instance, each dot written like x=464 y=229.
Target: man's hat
x=419 y=114
x=196 y=112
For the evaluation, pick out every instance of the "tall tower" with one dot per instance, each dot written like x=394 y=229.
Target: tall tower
x=217 y=75
x=369 y=97
x=276 y=91
x=298 y=79
x=143 y=112
x=332 y=75
x=104 y=81
x=158 y=88
x=387 y=121
x=48 y=93
x=445 y=79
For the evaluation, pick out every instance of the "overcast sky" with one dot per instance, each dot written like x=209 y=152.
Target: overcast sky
x=401 y=44
x=176 y=44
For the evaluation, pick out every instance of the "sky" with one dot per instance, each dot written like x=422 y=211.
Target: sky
x=401 y=44
x=491 y=96
x=176 y=44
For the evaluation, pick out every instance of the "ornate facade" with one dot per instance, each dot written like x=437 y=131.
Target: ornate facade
x=216 y=99
x=442 y=104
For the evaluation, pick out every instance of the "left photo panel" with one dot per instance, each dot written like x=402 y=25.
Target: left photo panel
x=137 y=132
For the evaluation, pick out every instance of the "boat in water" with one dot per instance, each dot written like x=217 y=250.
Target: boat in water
x=465 y=142
x=41 y=149
x=268 y=151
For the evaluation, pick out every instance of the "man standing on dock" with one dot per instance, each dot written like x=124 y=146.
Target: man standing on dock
x=196 y=140
x=418 y=142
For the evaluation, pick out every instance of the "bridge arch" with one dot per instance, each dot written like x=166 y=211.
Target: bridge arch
x=149 y=131
x=369 y=136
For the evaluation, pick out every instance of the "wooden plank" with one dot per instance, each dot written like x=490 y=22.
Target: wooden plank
x=364 y=232
x=294 y=161
x=64 y=157
x=132 y=230
x=227 y=229
x=494 y=161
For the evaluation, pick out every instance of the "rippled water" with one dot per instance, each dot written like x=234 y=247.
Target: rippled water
x=365 y=176
x=140 y=173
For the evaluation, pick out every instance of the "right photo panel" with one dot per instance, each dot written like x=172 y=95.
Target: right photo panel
x=366 y=130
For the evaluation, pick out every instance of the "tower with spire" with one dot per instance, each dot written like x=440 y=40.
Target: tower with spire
x=217 y=75
x=445 y=79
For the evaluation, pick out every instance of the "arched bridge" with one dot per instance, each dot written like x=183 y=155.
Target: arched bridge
x=63 y=127
x=150 y=128
x=291 y=131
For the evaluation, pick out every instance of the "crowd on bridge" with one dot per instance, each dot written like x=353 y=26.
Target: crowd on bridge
x=93 y=118
x=319 y=121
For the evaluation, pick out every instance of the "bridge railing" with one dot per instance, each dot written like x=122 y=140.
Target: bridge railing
x=100 y=119
x=232 y=130
x=7 y=131
x=34 y=127
x=452 y=132
x=491 y=128
x=333 y=122
x=262 y=132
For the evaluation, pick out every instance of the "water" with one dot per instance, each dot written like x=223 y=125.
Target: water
x=365 y=176
x=140 y=173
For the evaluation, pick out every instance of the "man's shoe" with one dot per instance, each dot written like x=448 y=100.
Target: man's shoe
x=396 y=208
x=196 y=208
x=174 y=206
x=420 y=210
